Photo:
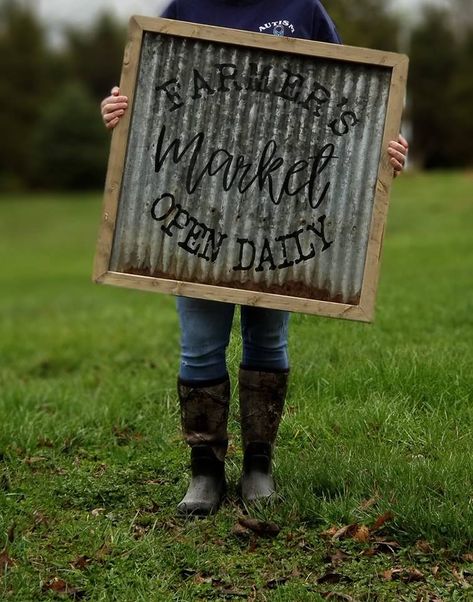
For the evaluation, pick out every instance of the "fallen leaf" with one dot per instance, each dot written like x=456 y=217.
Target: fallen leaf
x=155 y=482
x=329 y=533
x=413 y=575
x=368 y=503
x=435 y=570
x=274 y=583
x=345 y=531
x=261 y=528
x=385 y=547
x=460 y=578
x=34 y=460
x=253 y=545
x=5 y=560
x=333 y=578
x=59 y=586
x=468 y=557
x=424 y=546
x=337 y=558
x=97 y=511
x=81 y=562
x=240 y=531
x=362 y=534
x=407 y=575
x=39 y=519
x=200 y=579
x=104 y=550
x=381 y=520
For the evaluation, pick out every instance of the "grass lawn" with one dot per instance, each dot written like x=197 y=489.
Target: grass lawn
x=374 y=461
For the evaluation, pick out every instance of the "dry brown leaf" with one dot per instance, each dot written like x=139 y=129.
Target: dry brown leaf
x=460 y=578
x=329 y=533
x=468 y=557
x=200 y=579
x=407 y=575
x=338 y=557
x=346 y=531
x=386 y=547
x=39 y=519
x=59 y=586
x=104 y=550
x=331 y=577
x=261 y=528
x=412 y=575
x=97 y=511
x=362 y=534
x=5 y=560
x=240 y=531
x=368 y=503
x=435 y=570
x=391 y=574
x=424 y=547
x=34 y=460
x=274 y=583
x=381 y=520
x=81 y=562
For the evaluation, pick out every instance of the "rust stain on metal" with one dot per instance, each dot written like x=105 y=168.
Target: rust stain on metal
x=291 y=289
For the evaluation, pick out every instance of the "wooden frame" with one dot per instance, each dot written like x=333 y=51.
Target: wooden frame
x=364 y=311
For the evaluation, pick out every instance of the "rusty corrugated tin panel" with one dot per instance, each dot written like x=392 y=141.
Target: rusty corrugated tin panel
x=280 y=122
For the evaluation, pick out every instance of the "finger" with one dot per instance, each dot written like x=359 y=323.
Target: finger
x=398 y=166
x=397 y=147
x=111 y=116
x=113 y=100
x=403 y=141
x=114 y=106
x=113 y=123
x=400 y=156
x=115 y=91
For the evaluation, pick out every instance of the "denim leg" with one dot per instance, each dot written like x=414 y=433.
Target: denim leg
x=264 y=332
x=205 y=333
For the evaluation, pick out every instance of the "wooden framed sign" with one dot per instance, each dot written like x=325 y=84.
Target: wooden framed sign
x=251 y=169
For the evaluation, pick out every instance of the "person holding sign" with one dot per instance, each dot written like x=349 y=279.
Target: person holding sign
x=203 y=383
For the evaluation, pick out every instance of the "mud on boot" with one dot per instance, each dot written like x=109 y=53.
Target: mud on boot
x=204 y=415
x=262 y=395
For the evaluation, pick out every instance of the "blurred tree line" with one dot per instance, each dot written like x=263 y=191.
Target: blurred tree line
x=53 y=137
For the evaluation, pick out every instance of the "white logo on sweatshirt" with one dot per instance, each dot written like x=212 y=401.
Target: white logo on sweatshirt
x=279 y=28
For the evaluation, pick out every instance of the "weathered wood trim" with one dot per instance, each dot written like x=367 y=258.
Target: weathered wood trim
x=232 y=295
x=383 y=187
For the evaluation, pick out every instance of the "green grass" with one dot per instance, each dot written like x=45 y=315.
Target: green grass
x=91 y=462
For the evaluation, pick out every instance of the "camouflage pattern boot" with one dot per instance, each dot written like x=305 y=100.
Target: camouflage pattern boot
x=204 y=415
x=262 y=396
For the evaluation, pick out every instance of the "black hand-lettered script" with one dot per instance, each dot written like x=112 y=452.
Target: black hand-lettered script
x=265 y=175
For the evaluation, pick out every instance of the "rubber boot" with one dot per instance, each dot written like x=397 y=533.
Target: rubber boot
x=262 y=396
x=204 y=416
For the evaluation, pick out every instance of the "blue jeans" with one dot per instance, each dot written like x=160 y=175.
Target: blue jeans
x=205 y=334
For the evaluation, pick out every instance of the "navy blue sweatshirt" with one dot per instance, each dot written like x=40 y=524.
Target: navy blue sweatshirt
x=306 y=19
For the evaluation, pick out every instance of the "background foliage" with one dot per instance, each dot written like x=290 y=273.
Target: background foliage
x=49 y=96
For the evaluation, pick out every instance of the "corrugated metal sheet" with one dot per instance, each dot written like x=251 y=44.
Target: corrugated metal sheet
x=241 y=122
